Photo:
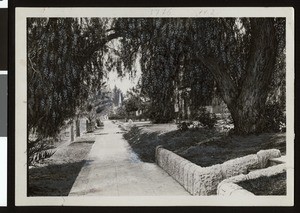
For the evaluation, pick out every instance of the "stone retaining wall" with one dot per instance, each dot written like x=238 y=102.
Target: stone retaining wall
x=199 y=180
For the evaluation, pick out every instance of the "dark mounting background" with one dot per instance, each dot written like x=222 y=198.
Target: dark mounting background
x=3 y=67
x=3 y=40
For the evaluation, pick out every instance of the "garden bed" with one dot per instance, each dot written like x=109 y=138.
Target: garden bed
x=201 y=146
x=273 y=185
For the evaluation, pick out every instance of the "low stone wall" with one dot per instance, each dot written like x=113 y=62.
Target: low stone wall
x=199 y=180
x=230 y=187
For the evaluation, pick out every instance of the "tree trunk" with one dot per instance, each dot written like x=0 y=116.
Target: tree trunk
x=249 y=108
x=87 y=125
x=72 y=132
x=248 y=115
x=185 y=114
x=90 y=126
x=77 y=128
x=246 y=102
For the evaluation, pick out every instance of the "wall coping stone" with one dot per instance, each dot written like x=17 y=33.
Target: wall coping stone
x=199 y=180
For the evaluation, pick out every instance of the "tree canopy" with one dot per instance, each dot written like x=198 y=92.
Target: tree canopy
x=239 y=55
x=180 y=58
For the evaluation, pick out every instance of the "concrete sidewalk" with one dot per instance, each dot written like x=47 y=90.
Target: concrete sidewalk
x=113 y=169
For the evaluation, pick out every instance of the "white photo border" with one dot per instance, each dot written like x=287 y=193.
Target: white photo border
x=21 y=198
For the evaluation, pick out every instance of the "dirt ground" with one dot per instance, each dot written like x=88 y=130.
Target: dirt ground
x=201 y=146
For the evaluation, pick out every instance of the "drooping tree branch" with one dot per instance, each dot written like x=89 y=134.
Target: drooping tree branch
x=98 y=45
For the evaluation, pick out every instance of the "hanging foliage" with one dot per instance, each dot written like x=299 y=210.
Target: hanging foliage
x=62 y=71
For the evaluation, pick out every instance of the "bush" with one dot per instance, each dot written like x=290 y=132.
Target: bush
x=99 y=123
x=157 y=117
x=39 y=150
x=183 y=126
x=206 y=118
x=116 y=117
x=275 y=117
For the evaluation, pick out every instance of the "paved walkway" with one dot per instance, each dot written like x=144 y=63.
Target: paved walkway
x=112 y=169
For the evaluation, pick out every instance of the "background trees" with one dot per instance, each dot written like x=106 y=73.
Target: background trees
x=240 y=54
x=165 y=59
x=117 y=96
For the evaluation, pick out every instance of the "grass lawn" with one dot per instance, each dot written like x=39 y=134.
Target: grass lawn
x=56 y=175
x=202 y=146
x=274 y=185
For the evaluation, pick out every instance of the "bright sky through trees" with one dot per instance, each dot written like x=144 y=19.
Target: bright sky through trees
x=125 y=83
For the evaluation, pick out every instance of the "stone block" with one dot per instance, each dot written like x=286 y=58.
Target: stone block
x=166 y=155
x=164 y=158
x=157 y=154
x=191 y=178
x=270 y=171
x=239 y=165
x=225 y=188
x=207 y=180
x=186 y=170
x=182 y=165
x=265 y=155
x=170 y=164
x=230 y=187
x=176 y=167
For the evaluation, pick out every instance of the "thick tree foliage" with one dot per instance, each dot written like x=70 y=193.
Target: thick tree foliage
x=180 y=58
x=62 y=70
x=240 y=54
x=164 y=48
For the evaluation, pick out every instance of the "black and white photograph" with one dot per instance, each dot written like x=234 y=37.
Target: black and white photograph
x=154 y=106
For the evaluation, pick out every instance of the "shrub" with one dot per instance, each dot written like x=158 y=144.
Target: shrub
x=183 y=126
x=206 y=118
x=39 y=150
x=116 y=117
x=141 y=116
x=99 y=123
